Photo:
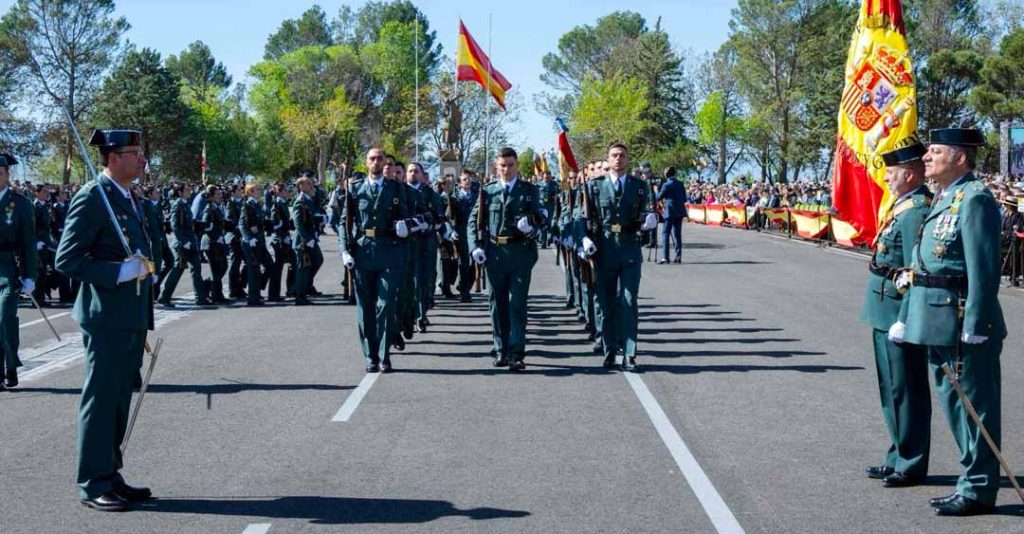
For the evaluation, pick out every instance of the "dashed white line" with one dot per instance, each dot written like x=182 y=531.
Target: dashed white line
x=354 y=398
x=257 y=528
x=716 y=509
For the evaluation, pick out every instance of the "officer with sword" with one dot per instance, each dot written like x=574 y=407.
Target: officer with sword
x=17 y=245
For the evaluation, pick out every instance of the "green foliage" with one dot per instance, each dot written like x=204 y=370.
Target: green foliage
x=1000 y=95
x=610 y=110
x=526 y=158
x=310 y=29
x=202 y=75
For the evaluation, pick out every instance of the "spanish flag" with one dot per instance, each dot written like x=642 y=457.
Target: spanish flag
x=471 y=64
x=878 y=113
x=566 y=159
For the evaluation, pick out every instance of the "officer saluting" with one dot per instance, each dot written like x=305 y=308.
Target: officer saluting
x=952 y=307
x=114 y=309
x=17 y=242
x=902 y=367
x=512 y=213
x=618 y=206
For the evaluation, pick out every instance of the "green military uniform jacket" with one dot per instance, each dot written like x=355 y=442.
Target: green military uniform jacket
x=894 y=251
x=960 y=237
x=18 y=255
x=213 y=221
x=182 y=224
x=304 y=216
x=501 y=240
x=155 y=229
x=250 y=221
x=375 y=215
x=92 y=252
x=615 y=219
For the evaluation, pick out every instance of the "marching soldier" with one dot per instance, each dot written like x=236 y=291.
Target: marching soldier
x=617 y=207
x=448 y=254
x=17 y=249
x=58 y=213
x=371 y=247
x=234 y=241
x=45 y=246
x=548 y=189
x=281 y=241
x=505 y=245
x=902 y=368
x=305 y=242
x=426 y=260
x=952 y=308
x=254 y=246
x=150 y=202
x=114 y=309
x=463 y=202
x=213 y=243
x=186 y=249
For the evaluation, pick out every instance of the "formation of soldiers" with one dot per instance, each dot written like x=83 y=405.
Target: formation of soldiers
x=932 y=301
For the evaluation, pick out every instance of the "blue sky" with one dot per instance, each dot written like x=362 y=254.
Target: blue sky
x=523 y=31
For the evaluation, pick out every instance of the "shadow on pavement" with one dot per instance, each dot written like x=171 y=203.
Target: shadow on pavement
x=199 y=389
x=328 y=510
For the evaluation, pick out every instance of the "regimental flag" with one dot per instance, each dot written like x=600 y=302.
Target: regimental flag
x=471 y=64
x=536 y=163
x=203 y=163
x=566 y=160
x=543 y=162
x=878 y=113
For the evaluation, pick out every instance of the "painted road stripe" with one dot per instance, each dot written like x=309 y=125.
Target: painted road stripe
x=353 y=400
x=39 y=320
x=257 y=528
x=718 y=512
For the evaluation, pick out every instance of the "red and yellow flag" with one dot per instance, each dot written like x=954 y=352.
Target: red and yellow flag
x=471 y=64
x=878 y=113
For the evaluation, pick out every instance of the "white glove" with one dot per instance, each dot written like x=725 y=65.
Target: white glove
x=903 y=281
x=252 y=242
x=229 y=238
x=187 y=245
x=311 y=242
x=651 y=222
x=401 y=230
x=971 y=339
x=288 y=240
x=524 y=225
x=589 y=248
x=221 y=240
x=423 y=226
x=479 y=256
x=581 y=255
x=28 y=285
x=40 y=245
x=253 y=229
x=455 y=235
x=131 y=270
x=544 y=212
x=897 y=331
x=347 y=259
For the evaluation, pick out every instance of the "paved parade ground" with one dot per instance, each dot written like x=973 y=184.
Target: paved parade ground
x=756 y=411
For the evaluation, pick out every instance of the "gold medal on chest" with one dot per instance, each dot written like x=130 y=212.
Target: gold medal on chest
x=940 y=251
x=959 y=196
x=882 y=248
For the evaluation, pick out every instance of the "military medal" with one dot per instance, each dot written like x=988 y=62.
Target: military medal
x=882 y=248
x=940 y=251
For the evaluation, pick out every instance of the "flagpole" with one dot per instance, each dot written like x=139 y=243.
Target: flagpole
x=203 y=179
x=487 y=101
x=455 y=78
x=416 y=54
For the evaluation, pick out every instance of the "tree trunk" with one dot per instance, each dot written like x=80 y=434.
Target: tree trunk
x=323 y=153
x=69 y=153
x=721 y=144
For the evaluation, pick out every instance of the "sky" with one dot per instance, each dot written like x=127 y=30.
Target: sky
x=523 y=31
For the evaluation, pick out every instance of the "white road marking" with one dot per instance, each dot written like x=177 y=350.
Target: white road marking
x=39 y=320
x=718 y=512
x=257 y=528
x=354 y=398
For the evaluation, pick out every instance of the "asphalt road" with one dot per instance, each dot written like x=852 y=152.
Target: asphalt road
x=756 y=411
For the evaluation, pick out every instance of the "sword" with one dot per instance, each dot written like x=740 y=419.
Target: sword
x=153 y=352
x=984 y=431
x=45 y=318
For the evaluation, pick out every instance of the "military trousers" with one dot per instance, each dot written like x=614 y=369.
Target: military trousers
x=258 y=266
x=217 y=259
x=309 y=260
x=982 y=383
x=283 y=254
x=235 y=257
x=902 y=371
x=375 y=285
x=10 y=336
x=112 y=361
x=616 y=291
x=467 y=271
x=509 y=287
x=425 y=275
x=184 y=259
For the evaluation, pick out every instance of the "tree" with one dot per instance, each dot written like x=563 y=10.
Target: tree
x=1000 y=95
x=304 y=92
x=720 y=128
x=63 y=48
x=373 y=17
x=526 y=158
x=142 y=94
x=610 y=110
x=16 y=135
x=310 y=29
x=671 y=97
x=202 y=75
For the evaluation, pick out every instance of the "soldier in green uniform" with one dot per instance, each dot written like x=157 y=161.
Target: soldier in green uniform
x=254 y=245
x=154 y=226
x=952 y=307
x=370 y=246
x=213 y=244
x=114 y=309
x=462 y=207
x=281 y=242
x=902 y=368
x=425 y=276
x=548 y=190
x=234 y=240
x=618 y=207
x=506 y=247
x=305 y=242
x=45 y=246
x=186 y=249
x=17 y=249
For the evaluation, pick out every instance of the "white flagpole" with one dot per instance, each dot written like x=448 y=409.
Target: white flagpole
x=458 y=41
x=487 y=100
x=416 y=70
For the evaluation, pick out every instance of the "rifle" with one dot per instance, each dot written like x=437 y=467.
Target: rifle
x=587 y=267
x=348 y=223
x=557 y=216
x=450 y=214
x=481 y=227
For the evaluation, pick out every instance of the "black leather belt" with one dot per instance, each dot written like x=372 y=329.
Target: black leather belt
x=505 y=240
x=885 y=271
x=942 y=282
x=622 y=228
x=378 y=233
